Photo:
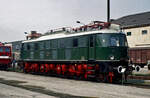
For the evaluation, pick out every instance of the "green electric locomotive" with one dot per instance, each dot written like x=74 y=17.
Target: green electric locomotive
x=92 y=51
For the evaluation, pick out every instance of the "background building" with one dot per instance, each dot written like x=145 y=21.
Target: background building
x=16 y=48
x=137 y=29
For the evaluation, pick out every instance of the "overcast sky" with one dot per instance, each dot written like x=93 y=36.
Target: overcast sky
x=19 y=16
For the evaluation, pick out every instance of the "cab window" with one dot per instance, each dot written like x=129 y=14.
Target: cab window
x=41 y=44
x=83 y=41
x=7 y=49
x=1 y=49
x=75 y=42
x=91 y=41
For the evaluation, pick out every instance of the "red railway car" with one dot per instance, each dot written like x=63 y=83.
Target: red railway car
x=140 y=56
x=5 y=57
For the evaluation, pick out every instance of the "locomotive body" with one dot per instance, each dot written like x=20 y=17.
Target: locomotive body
x=99 y=54
x=5 y=57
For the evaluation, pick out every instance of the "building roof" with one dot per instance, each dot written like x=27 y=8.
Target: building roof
x=135 y=20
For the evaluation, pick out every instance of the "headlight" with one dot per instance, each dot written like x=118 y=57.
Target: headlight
x=112 y=57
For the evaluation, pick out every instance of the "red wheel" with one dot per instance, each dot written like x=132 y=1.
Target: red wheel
x=79 y=70
x=42 y=68
x=36 y=67
x=58 y=69
x=72 y=70
x=64 y=68
x=111 y=75
x=32 y=67
x=85 y=75
x=51 y=67
x=85 y=66
x=27 y=67
x=90 y=67
x=89 y=71
x=47 y=68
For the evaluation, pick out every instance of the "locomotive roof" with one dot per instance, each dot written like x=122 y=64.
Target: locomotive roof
x=65 y=35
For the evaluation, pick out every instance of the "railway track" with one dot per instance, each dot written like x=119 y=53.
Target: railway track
x=132 y=81
x=147 y=77
x=139 y=81
x=142 y=81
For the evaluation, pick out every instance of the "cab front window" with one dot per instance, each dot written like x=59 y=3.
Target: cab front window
x=111 y=40
x=1 y=49
x=114 y=41
x=7 y=49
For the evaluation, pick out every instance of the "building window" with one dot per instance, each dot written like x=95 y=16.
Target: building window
x=128 y=33
x=144 y=32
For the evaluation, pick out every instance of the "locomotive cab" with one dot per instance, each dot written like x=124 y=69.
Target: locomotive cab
x=111 y=53
x=5 y=57
x=111 y=46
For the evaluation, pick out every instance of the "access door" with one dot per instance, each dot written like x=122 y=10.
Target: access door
x=91 y=47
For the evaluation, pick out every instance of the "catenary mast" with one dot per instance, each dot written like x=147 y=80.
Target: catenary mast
x=108 y=10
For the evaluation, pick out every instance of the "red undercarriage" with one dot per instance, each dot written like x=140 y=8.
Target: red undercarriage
x=83 y=71
x=5 y=61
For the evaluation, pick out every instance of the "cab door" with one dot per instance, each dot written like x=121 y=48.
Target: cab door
x=91 y=51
